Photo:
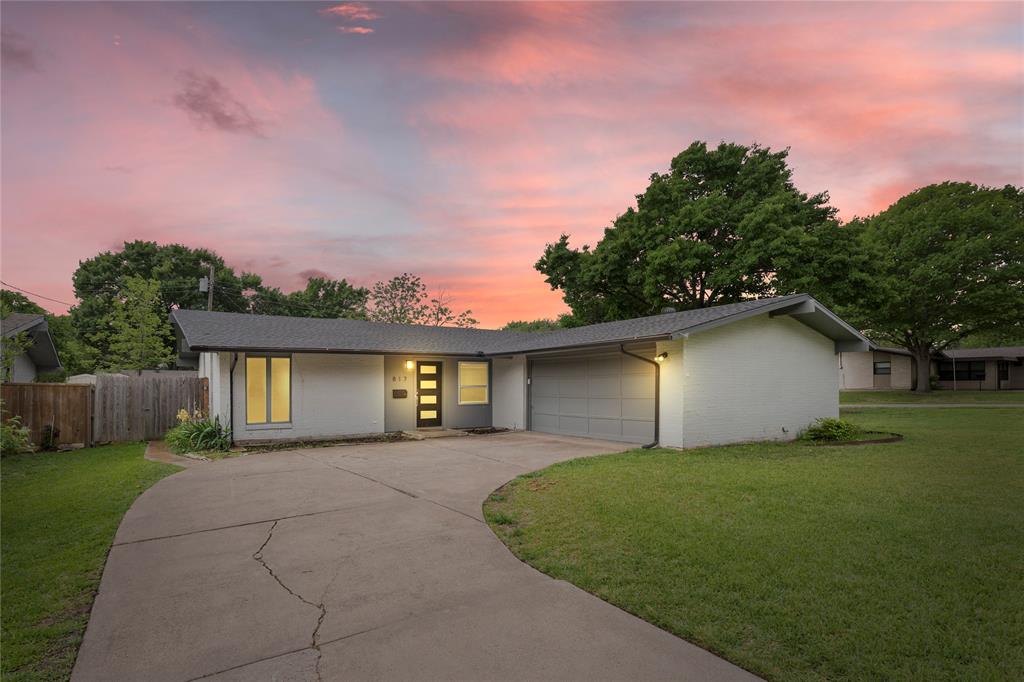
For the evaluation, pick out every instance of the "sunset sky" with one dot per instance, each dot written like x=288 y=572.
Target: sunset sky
x=455 y=140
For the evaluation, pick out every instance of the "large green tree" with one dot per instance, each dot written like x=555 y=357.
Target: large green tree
x=947 y=265
x=722 y=225
x=141 y=336
x=100 y=284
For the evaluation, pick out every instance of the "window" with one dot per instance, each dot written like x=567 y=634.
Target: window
x=1004 y=370
x=268 y=389
x=883 y=367
x=473 y=385
x=966 y=370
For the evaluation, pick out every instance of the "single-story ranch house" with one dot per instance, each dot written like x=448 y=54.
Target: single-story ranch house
x=760 y=369
x=979 y=369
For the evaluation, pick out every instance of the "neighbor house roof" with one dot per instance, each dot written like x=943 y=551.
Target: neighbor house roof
x=42 y=351
x=998 y=353
x=202 y=330
x=19 y=322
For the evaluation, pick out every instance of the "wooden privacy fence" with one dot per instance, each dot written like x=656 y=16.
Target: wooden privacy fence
x=143 y=407
x=109 y=407
x=64 y=407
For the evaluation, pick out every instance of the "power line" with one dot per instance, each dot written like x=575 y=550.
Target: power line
x=32 y=293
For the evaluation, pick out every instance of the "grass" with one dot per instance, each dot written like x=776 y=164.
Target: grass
x=59 y=515
x=799 y=562
x=939 y=396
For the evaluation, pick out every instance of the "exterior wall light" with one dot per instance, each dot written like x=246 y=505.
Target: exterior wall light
x=661 y=357
x=409 y=365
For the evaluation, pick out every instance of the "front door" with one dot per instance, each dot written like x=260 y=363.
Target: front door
x=428 y=394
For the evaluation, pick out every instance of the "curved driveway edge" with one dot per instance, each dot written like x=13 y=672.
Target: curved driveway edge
x=357 y=562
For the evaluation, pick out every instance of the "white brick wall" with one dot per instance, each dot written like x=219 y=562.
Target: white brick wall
x=856 y=370
x=763 y=378
x=508 y=393
x=332 y=395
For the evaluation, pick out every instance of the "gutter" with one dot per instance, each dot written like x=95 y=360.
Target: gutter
x=231 y=395
x=657 y=394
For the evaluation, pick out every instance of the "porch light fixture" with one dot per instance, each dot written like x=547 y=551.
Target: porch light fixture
x=661 y=357
x=409 y=364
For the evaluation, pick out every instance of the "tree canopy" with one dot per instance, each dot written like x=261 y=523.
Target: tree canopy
x=404 y=299
x=141 y=336
x=100 y=285
x=722 y=225
x=947 y=264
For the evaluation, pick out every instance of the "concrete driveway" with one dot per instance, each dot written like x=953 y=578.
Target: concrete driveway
x=357 y=562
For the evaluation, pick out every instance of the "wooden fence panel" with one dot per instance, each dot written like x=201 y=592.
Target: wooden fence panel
x=144 y=407
x=66 y=407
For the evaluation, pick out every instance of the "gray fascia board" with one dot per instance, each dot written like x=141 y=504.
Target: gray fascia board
x=596 y=345
x=852 y=346
x=346 y=351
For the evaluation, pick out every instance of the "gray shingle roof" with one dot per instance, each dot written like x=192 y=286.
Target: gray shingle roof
x=204 y=330
x=652 y=327
x=19 y=322
x=979 y=353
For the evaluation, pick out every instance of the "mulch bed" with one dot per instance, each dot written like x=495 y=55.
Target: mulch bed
x=883 y=437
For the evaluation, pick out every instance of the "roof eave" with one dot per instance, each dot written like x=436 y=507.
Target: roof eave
x=804 y=309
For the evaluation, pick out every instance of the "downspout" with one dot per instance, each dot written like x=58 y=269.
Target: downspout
x=657 y=394
x=231 y=395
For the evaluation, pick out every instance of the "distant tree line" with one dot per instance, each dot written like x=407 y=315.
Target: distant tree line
x=125 y=297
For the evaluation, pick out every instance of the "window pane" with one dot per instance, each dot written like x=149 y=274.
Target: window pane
x=428 y=383
x=428 y=369
x=472 y=373
x=428 y=414
x=256 y=390
x=428 y=400
x=280 y=389
x=473 y=394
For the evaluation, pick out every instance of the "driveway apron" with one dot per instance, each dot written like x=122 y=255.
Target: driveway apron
x=357 y=562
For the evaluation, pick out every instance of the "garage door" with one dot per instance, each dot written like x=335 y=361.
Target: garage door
x=607 y=396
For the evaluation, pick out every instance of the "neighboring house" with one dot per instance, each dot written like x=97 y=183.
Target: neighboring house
x=894 y=368
x=980 y=368
x=761 y=369
x=877 y=368
x=41 y=356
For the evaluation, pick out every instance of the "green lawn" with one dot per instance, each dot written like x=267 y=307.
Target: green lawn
x=59 y=515
x=943 y=396
x=799 y=562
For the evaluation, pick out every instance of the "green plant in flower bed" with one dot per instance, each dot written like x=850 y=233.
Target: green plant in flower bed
x=828 y=429
x=198 y=434
x=14 y=438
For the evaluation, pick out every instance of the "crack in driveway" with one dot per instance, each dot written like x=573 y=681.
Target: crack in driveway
x=314 y=641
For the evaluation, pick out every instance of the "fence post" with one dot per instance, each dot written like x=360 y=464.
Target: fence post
x=89 y=403
x=206 y=396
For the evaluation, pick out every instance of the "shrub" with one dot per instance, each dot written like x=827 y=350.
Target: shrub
x=198 y=434
x=14 y=438
x=827 y=429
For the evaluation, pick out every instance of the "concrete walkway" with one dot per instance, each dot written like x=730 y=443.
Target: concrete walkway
x=357 y=562
x=860 y=405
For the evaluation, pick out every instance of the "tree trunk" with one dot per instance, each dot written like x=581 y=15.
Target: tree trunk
x=923 y=358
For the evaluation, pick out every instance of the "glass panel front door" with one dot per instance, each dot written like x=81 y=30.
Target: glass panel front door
x=428 y=394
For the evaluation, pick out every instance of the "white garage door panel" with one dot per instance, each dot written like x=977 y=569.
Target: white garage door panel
x=608 y=397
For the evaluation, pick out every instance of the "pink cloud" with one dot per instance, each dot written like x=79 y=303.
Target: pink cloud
x=353 y=11
x=359 y=30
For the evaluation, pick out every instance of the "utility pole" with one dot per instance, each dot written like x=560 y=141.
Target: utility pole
x=209 y=291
